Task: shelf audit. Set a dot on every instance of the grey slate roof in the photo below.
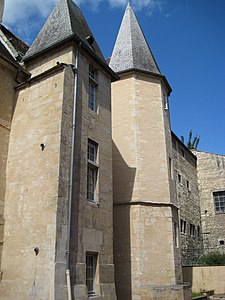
(65, 22)
(131, 50)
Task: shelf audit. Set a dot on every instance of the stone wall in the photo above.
(185, 176)
(211, 178)
(31, 191)
(92, 228)
(146, 241)
(205, 278)
(7, 102)
(38, 181)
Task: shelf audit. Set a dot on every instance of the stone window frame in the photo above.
(92, 88)
(92, 170)
(165, 102)
(183, 226)
(91, 267)
(219, 201)
(192, 230)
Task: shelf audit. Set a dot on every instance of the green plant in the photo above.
(214, 258)
(192, 143)
(196, 294)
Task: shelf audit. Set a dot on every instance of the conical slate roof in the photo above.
(65, 22)
(131, 50)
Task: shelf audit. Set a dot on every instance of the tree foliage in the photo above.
(192, 143)
(214, 258)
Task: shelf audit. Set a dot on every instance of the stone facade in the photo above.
(185, 176)
(37, 183)
(135, 199)
(8, 74)
(211, 180)
(145, 206)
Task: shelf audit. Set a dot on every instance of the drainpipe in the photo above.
(75, 70)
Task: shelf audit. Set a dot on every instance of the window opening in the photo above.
(91, 261)
(219, 201)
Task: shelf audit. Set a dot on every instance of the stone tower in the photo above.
(146, 239)
(58, 200)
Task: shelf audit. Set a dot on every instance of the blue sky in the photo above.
(187, 38)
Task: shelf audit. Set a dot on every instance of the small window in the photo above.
(183, 226)
(198, 231)
(192, 230)
(91, 262)
(92, 151)
(165, 102)
(221, 242)
(219, 201)
(182, 152)
(92, 89)
(92, 73)
(170, 168)
(92, 170)
(175, 234)
(179, 178)
(188, 184)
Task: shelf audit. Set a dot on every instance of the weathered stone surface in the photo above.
(185, 177)
(211, 178)
(145, 212)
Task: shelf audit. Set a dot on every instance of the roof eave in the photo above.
(15, 64)
(73, 36)
(165, 81)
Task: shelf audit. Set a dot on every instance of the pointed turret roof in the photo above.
(64, 23)
(131, 50)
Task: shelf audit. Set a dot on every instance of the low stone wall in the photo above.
(205, 278)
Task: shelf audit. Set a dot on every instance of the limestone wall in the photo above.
(7, 102)
(146, 241)
(206, 278)
(63, 54)
(31, 191)
(185, 176)
(92, 228)
(211, 178)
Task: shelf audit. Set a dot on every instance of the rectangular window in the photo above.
(182, 226)
(219, 201)
(92, 89)
(92, 73)
(170, 168)
(179, 178)
(192, 230)
(175, 233)
(91, 262)
(92, 170)
(165, 102)
(188, 185)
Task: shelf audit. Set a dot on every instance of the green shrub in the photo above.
(214, 258)
(196, 294)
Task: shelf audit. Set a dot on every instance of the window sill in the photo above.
(93, 204)
(95, 297)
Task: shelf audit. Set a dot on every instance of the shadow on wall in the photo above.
(188, 275)
(123, 183)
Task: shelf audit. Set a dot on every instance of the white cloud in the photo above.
(25, 17)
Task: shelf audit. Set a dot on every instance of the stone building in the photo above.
(211, 184)
(11, 74)
(146, 242)
(86, 183)
(185, 177)
(58, 194)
